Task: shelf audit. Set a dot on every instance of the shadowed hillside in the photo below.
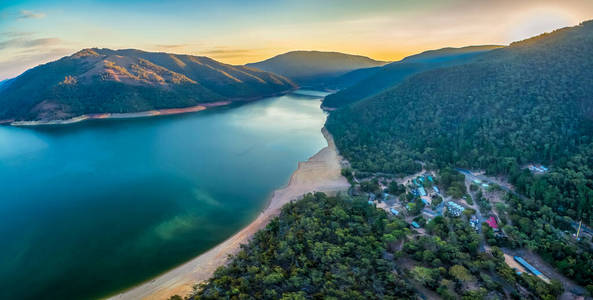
(120, 81)
(314, 68)
(377, 80)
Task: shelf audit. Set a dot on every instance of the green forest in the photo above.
(527, 103)
(318, 248)
(324, 247)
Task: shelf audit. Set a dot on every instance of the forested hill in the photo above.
(5, 83)
(389, 75)
(529, 102)
(119, 81)
(314, 68)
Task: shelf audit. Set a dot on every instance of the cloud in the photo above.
(224, 52)
(171, 46)
(28, 43)
(29, 14)
(21, 61)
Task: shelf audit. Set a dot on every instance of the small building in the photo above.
(477, 181)
(421, 191)
(371, 202)
(416, 225)
(436, 189)
(538, 168)
(424, 201)
(527, 266)
(430, 178)
(455, 209)
(474, 223)
(492, 223)
(485, 185)
(394, 211)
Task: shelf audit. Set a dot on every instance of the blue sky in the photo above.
(36, 31)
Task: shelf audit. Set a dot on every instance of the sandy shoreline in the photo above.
(320, 173)
(141, 114)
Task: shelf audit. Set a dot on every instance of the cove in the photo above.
(90, 209)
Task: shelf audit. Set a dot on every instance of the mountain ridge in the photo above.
(314, 68)
(103, 80)
(384, 77)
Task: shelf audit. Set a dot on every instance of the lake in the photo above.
(90, 209)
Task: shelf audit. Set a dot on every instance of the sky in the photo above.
(236, 32)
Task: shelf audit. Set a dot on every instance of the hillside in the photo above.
(389, 75)
(314, 68)
(351, 78)
(121, 81)
(4, 83)
(529, 102)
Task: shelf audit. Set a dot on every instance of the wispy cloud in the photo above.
(172, 46)
(22, 61)
(29, 14)
(28, 43)
(226, 52)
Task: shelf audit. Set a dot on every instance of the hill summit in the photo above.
(122, 81)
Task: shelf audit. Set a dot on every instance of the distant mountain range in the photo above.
(360, 84)
(314, 68)
(121, 81)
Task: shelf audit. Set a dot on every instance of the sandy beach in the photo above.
(320, 173)
(141, 114)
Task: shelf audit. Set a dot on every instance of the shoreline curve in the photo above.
(320, 173)
(140, 114)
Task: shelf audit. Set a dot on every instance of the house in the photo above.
(474, 223)
(455, 209)
(394, 211)
(416, 225)
(430, 178)
(421, 191)
(436, 189)
(477, 181)
(485, 185)
(371, 202)
(492, 223)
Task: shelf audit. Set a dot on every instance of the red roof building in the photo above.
(492, 223)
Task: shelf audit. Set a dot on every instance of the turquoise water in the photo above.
(89, 209)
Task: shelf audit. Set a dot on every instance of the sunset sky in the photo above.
(35, 31)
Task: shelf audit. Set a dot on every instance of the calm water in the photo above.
(92, 208)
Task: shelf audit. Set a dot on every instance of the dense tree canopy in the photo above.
(319, 247)
(529, 102)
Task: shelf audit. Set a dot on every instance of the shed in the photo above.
(527, 266)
